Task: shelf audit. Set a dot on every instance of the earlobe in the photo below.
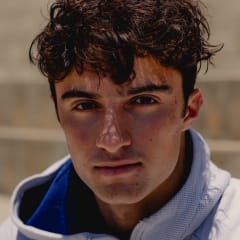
(193, 107)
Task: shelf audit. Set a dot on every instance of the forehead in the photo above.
(148, 72)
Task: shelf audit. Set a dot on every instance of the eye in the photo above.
(86, 105)
(143, 100)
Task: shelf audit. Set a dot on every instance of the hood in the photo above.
(181, 216)
(177, 220)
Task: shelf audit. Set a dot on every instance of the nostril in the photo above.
(112, 136)
(112, 139)
(109, 138)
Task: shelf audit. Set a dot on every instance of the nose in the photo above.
(112, 137)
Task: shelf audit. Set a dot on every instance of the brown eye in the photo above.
(88, 105)
(144, 100)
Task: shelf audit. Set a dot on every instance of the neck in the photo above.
(123, 218)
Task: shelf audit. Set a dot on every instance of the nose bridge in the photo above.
(111, 136)
(111, 130)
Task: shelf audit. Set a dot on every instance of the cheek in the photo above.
(162, 123)
(79, 133)
(158, 135)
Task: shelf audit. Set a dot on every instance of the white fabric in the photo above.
(205, 208)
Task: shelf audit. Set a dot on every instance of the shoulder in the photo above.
(232, 192)
(8, 231)
(226, 223)
(223, 222)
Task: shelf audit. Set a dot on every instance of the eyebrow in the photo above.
(79, 94)
(149, 88)
(75, 93)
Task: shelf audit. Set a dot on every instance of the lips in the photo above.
(117, 167)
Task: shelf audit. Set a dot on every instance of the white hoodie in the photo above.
(206, 207)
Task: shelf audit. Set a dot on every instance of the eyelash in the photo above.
(89, 105)
(152, 100)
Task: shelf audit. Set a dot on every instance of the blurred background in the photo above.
(30, 137)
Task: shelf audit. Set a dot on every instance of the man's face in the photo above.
(125, 141)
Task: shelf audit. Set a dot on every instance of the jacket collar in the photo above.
(185, 212)
(177, 220)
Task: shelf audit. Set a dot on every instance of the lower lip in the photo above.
(111, 171)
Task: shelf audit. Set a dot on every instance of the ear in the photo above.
(194, 104)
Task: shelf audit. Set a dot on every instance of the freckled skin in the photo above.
(111, 132)
(151, 135)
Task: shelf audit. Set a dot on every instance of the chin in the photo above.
(120, 194)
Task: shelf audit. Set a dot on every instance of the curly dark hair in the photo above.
(106, 35)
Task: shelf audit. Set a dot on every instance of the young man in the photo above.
(122, 75)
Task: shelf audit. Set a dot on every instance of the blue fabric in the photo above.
(188, 215)
(50, 215)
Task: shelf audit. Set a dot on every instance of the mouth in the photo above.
(117, 168)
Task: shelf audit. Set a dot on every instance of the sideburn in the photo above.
(53, 95)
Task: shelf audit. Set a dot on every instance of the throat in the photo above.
(121, 219)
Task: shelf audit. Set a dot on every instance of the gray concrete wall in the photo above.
(30, 137)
